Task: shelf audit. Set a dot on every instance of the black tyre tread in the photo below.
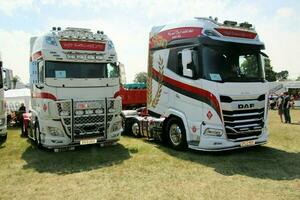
(183, 144)
(37, 140)
(128, 127)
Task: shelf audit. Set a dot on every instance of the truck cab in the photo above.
(206, 86)
(74, 74)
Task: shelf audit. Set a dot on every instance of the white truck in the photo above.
(74, 75)
(206, 87)
(3, 127)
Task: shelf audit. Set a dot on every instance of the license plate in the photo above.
(247, 143)
(85, 142)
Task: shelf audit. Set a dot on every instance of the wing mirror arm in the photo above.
(39, 86)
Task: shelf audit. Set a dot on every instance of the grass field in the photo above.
(139, 169)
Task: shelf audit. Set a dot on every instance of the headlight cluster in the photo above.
(116, 126)
(2, 121)
(213, 132)
(55, 132)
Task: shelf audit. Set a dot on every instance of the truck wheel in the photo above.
(3, 138)
(37, 134)
(176, 135)
(132, 127)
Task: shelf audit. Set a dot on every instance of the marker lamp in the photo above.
(90, 57)
(89, 112)
(64, 113)
(99, 111)
(79, 112)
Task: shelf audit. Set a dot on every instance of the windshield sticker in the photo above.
(215, 77)
(60, 74)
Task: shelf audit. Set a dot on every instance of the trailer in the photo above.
(74, 74)
(206, 87)
(134, 95)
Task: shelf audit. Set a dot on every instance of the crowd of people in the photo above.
(284, 103)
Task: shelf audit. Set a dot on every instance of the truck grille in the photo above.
(243, 123)
(86, 119)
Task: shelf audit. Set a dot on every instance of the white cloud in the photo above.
(128, 24)
(62, 3)
(15, 52)
(8, 7)
(131, 41)
(282, 47)
(285, 12)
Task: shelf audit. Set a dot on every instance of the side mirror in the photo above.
(122, 73)
(187, 59)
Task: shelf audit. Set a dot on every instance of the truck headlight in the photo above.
(2, 121)
(213, 132)
(55, 132)
(116, 126)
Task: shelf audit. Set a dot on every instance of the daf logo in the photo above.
(243, 106)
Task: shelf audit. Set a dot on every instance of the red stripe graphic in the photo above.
(236, 33)
(44, 95)
(174, 34)
(37, 55)
(197, 91)
(77, 45)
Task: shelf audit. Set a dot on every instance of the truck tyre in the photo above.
(175, 134)
(3, 138)
(37, 134)
(132, 127)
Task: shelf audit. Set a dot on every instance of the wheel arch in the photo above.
(171, 113)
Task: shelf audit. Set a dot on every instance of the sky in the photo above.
(128, 22)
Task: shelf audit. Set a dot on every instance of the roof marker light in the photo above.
(230, 23)
(245, 25)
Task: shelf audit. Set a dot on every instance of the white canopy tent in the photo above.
(14, 98)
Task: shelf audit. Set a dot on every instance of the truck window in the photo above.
(175, 62)
(231, 65)
(41, 72)
(80, 70)
(112, 71)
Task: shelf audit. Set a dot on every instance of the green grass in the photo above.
(140, 169)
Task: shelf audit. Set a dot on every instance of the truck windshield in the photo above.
(80, 70)
(232, 64)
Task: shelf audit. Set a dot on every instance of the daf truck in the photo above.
(206, 87)
(74, 74)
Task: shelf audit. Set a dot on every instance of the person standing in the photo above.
(22, 110)
(279, 105)
(286, 107)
